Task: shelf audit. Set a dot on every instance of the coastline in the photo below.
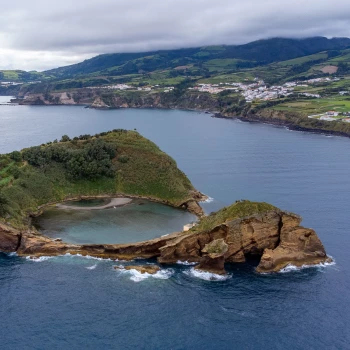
(282, 124)
(201, 103)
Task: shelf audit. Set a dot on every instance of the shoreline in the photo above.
(282, 124)
(258, 118)
(192, 205)
(114, 202)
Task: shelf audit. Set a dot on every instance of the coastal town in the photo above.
(258, 90)
(332, 116)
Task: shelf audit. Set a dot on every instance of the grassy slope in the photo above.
(235, 211)
(141, 169)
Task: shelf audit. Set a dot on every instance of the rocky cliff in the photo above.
(103, 99)
(247, 230)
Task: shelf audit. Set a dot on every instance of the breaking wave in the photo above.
(186, 263)
(208, 200)
(88, 257)
(136, 276)
(206, 276)
(39, 259)
(291, 268)
(93, 267)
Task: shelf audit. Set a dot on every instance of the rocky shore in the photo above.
(94, 98)
(273, 236)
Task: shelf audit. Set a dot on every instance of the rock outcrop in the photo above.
(10, 239)
(150, 269)
(274, 236)
(213, 257)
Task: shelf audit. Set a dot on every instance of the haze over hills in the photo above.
(202, 61)
(259, 52)
(281, 81)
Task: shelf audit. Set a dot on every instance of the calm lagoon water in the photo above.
(138, 221)
(74, 303)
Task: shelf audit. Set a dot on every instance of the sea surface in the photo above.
(79, 303)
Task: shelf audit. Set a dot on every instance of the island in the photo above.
(124, 164)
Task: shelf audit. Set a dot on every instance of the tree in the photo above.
(65, 138)
(16, 156)
(3, 203)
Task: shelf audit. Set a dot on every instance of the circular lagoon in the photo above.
(136, 221)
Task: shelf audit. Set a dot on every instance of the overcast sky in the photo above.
(42, 34)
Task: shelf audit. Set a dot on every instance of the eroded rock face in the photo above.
(275, 236)
(9, 239)
(213, 258)
(298, 246)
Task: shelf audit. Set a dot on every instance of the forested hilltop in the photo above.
(113, 163)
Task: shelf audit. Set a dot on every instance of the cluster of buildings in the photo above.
(259, 91)
(321, 80)
(331, 116)
(130, 87)
(9, 83)
(13, 83)
(255, 91)
(112, 87)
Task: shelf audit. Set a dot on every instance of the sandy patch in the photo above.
(115, 202)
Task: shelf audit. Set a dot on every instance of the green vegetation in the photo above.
(316, 106)
(110, 163)
(238, 210)
(20, 75)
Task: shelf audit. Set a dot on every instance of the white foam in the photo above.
(186, 263)
(291, 268)
(93, 267)
(11, 254)
(88, 257)
(207, 276)
(39, 259)
(137, 276)
(208, 200)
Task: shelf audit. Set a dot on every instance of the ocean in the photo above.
(79, 303)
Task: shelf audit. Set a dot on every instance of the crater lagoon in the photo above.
(74, 302)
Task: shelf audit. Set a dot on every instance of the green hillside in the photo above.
(117, 162)
(208, 58)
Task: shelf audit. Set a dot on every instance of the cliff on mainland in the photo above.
(220, 105)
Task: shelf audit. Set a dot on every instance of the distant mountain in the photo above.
(256, 53)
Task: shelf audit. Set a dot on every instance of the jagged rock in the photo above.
(150, 269)
(99, 103)
(298, 246)
(193, 207)
(274, 236)
(213, 259)
(9, 239)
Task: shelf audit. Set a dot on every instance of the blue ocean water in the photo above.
(77, 303)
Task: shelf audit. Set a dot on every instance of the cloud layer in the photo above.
(43, 34)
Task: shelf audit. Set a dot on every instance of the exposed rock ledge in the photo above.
(275, 236)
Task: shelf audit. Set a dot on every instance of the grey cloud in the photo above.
(67, 28)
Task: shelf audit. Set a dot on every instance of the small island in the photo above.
(123, 164)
